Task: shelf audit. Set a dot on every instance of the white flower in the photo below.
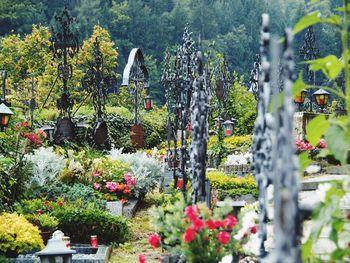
(239, 159)
(248, 220)
(226, 259)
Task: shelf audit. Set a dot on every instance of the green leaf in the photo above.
(298, 85)
(304, 161)
(306, 21)
(338, 142)
(338, 254)
(342, 8)
(316, 128)
(306, 250)
(335, 20)
(331, 66)
(334, 236)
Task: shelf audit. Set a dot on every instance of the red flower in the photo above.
(211, 224)
(59, 202)
(142, 258)
(126, 190)
(31, 136)
(223, 237)
(123, 201)
(206, 238)
(39, 211)
(154, 240)
(253, 230)
(190, 212)
(348, 216)
(219, 223)
(198, 224)
(120, 187)
(189, 235)
(245, 234)
(230, 221)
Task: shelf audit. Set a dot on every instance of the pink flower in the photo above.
(111, 186)
(42, 133)
(189, 235)
(133, 181)
(142, 258)
(190, 212)
(96, 173)
(198, 224)
(130, 180)
(154, 240)
(230, 221)
(127, 176)
(303, 145)
(322, 144)
(223, 237)
(97, 186)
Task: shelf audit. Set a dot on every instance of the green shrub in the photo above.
(70, 193)
(232, 186)
(13, 177)
(44, 222)
(80, 219)
(79, 224)
(233, 143)
(17, 235)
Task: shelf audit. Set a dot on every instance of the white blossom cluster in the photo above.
(239, 159)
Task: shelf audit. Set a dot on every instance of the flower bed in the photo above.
(232, 186)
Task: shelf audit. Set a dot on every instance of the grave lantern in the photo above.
(300, 97)
(148, 103)
(56, 251)
(5, 115)
(321, 97)
(218, 122)
(228, 126)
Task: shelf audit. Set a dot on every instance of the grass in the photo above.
(141, 228)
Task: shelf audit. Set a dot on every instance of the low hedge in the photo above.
(232, 186)
(80, 224)
(233, 143)
(79, 220)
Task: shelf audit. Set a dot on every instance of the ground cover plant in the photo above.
(231, 185)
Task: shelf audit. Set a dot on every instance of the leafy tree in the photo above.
(242, 106)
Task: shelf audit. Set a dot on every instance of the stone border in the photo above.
(101, 256)
(240, 169)
(128, 210)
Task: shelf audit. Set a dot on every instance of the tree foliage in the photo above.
(153, 25)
